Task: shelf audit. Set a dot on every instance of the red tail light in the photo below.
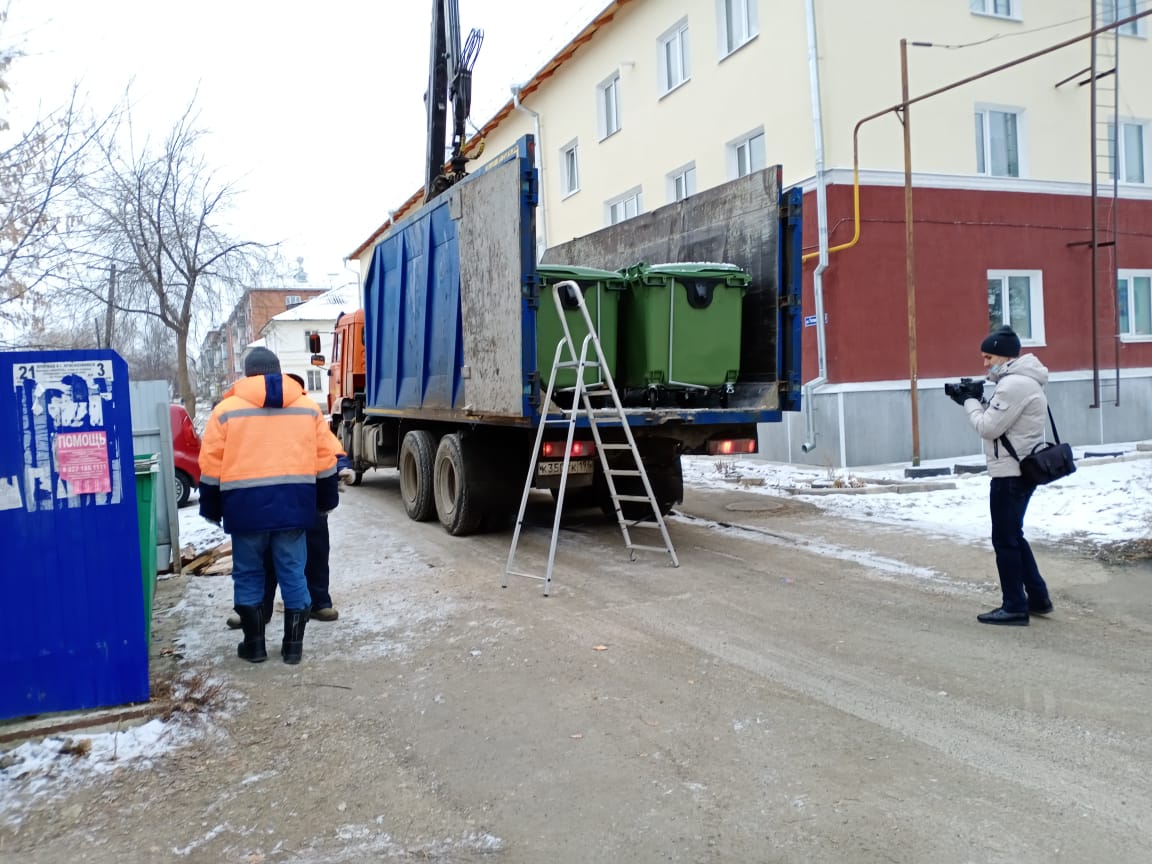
(731, 446)
(555, 449)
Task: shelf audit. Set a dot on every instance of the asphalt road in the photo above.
(800, 689)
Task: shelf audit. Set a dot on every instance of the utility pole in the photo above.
(909, 252)
(110, 312)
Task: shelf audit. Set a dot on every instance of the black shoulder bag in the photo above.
(1046, 462)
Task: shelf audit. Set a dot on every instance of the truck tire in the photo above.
(457, 504)
(417, 457)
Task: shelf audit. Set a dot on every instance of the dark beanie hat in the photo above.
(1002, 343)
(261, 361)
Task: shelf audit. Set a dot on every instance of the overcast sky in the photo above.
(316, 110)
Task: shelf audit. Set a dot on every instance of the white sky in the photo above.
(315, 110)
(1105, 500)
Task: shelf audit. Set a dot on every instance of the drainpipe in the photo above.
(542, 238)
(822, 230)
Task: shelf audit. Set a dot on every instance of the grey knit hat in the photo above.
(261, 361)
(1001, 343)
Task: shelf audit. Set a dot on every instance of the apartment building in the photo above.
(1031, 189)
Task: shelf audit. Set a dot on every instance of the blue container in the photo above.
(72, 637)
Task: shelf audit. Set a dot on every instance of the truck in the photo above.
(442, 372)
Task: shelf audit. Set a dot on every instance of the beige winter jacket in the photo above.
(1018, 408)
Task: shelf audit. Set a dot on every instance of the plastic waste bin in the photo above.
(147, 473)
(602, 290)
(680, 324)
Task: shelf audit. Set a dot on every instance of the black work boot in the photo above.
(294, 621)
(252, 648)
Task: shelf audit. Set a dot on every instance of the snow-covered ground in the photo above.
(1106, 501)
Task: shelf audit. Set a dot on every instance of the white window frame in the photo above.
(745, 149)
(1120, 157)
(315, 381)
(1111, 11)
(982, 113)
(616, 209)
(1035, 304)
(988, 8)
(737, 24)
(291, 300)
(608, 105)
(675, 37)
(1128, 276)
(682, 180)
(570, 168)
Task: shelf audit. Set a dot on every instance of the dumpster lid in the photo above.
(558, 272)
(699, 269)
(147, 463)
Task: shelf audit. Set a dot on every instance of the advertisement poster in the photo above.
(70, 454)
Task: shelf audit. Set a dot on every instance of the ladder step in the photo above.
(644, 548)
(625, 472)
(526, 575)
(615, 447)
(643, 498)
(572, 364)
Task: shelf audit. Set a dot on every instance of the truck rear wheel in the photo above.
(417, 456)
(457, 503)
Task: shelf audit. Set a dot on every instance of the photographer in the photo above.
(1018, 410)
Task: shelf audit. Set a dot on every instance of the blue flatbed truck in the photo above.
(452, 379)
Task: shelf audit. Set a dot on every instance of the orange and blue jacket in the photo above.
(267, 458)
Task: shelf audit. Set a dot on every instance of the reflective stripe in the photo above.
(266, 412)
(301, 479)
(209, 481)
(326, 473)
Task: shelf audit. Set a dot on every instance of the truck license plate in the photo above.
(553, 467)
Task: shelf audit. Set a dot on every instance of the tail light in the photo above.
(555, 449)
(731, 446)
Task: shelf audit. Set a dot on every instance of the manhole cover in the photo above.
(754, 506)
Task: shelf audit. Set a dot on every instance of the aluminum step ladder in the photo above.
(582, 407)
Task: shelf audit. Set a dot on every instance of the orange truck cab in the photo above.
(346, 374)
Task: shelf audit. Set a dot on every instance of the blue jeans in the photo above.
(1020, 579)
(288, 550)
(315, 568)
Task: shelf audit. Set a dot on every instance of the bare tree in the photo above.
(157, 215)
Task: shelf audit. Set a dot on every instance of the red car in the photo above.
(186, 450)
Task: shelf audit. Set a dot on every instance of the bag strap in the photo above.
(1012, 450)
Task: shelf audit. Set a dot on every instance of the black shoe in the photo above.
(999, 616)
(1040, 608)
(253, 648)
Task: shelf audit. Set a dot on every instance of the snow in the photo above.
(1107, 500)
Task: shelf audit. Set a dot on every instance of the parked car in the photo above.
(186, 452)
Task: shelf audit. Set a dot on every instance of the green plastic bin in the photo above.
(147, 473)
(680, 324)
(602, 290)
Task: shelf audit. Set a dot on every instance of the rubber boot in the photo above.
(294, 622)
(252, 648)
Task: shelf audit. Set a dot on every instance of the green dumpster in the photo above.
(602, 290)
(147, 472)
(681, 324)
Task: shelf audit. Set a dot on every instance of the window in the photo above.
(314, 379)
(998, 142)
(1112, 11)
(569, 159)
(1130, 157)
(746, 154)
(999, 8)
(308, 334)
(292, 300)
(1016, 298)
(609, 106)
(625, 206)
(673, 59)
(736, 24)
(1134, 301)
(682, 182)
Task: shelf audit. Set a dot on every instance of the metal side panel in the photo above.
(491, 229)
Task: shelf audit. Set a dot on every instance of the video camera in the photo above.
(965, 388)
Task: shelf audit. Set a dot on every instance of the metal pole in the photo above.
(110, 313)
(1093, 75)
(910, 253)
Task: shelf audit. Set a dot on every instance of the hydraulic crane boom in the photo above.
(449, 81)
